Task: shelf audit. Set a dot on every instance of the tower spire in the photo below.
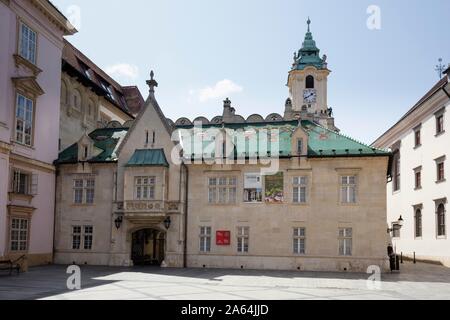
(309, 23)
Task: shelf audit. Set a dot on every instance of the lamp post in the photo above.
(399, 223)
(167, 222)
(118, 222)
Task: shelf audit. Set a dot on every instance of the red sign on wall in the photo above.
(223, 238)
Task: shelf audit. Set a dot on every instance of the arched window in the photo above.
(418, 223)
(76, 96)
(63, 93)
(441, 220)
(309, 82)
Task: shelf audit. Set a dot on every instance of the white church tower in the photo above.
(307, 84)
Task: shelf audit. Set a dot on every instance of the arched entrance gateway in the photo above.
(148, 247)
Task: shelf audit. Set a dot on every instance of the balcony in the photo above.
(151, 211)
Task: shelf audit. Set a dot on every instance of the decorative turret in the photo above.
(309, 54)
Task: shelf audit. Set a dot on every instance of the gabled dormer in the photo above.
(87, 149)
(299, 142)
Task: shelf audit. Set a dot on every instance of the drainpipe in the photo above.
(186, 192)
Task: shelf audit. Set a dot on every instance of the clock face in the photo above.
(310, 96)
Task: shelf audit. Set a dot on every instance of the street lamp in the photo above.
(167, 222)
(118, 222)
(399, 223)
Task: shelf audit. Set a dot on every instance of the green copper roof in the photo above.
(322, 142)
(308, 55)
(148, 157)
(106, 141)
(327, 143)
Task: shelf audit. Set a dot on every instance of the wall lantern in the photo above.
(167, 222)
(399, 223)
(118, 222)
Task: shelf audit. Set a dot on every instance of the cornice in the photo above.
(412, 120)
(39, 165)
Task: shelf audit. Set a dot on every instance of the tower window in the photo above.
(309, 82)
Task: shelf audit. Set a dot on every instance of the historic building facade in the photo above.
(31, 35)
(419, 190)
(279, 192)
(91, 99)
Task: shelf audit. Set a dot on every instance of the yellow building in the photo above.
(258, 193)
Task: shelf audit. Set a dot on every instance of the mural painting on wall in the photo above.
(274, 188)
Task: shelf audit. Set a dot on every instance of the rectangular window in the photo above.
(252, 187)
(24, 120)
(19, 234)
(348, 189)
(417, 138)
(78, 191)
(418, 179)
(27, 43)
(243, 235)
(144, 188)
(84, 191)
(439, 124)
(76, 237)
(24, 182)
(299, 146)
(222, 190)
(90, 191)
(205, 239)
(345, 241)
(299, 240)
(396, 175)
(300, 185)
(88, 237)
(440, 171)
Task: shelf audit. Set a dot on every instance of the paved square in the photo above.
(420, 281)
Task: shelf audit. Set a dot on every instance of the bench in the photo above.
(10, 265)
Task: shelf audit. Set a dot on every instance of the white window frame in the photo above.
(299, 241)
(347, 186)
(300, 190)
(144, 188)
(76, 237)
(22, 244)
(243, 239)
(27, 47)
(205, 239)
(84, 191)
(88, 237)
(345, 237)
(222, 190)
(30, 185)
(23, 134)
(82, 237)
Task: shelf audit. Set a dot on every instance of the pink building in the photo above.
(31, 43)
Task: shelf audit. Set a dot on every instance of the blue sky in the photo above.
(205, 50)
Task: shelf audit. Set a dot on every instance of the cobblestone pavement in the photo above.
(420, 281)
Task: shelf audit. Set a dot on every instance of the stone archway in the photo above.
(148, 246)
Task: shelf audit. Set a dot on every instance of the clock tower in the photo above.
(308, 85)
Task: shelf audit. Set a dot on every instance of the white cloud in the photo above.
(123, 70)
(220, 90)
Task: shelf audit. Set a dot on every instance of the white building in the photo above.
(419, 191)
